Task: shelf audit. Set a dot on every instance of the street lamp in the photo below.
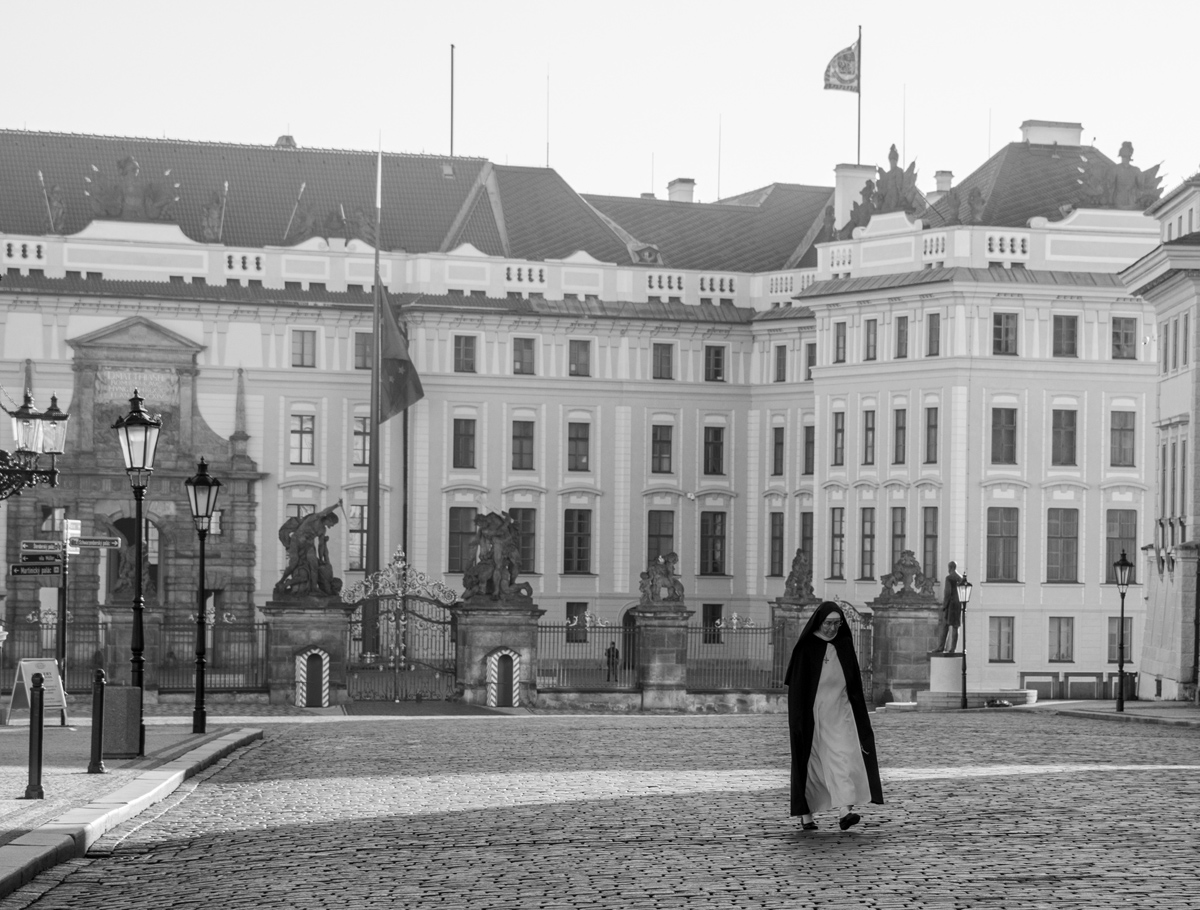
(37, 433)
(138, 433)
(1123, 567)
(202, 493)
(964, 597)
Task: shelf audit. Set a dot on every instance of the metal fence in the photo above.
(87, 644)
(236, 657)
(417, 656)
(580, 656)
(731, 657)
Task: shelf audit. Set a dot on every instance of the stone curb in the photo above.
(71, 834)
(1126, 718)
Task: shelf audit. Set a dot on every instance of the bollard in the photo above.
(96, 765)
(37, 708)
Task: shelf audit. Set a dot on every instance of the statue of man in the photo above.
(951, 618)
(304, 557)
(1125, 181)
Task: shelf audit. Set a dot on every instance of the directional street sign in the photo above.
(41, 557)
(41, 546)
(96, 543)
(71, 528)
(36, 570)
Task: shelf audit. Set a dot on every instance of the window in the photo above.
(1121, 537)
(464, 443)
(1062, 545)
(577, 542)
(1124, 338)
(1184, 342)
(53, 518)
(837, 542)
(777, 451)
(839, 342)
(303, 435)
(776, 567)
(839, 437)
(1001, 544)
(1004, 333)
(806, 535)
(660, 534)
(714, 363)
(522, 445)
(1115, 641)
(1000, 639)
(580, 357)
(1062, 436)
(362, 441)
(578, 443)
(901, 337)
(523, 356)
(899, 532)
(929, 553)
(660, 449)
(712, 543)
(1066, 336)
(525, 523)
(304, 347)
(464, 353)
(866, 560)
(781, 363)
(362, 350)
(810, 360)
(214, 523)
(357, 539)
(711, 619)
(931, 435)
(810, 449)
(900, 419)
(1004, 435)
(299, 509)
(868, 456)
(871, 339)
(714, 450)
(664, 366)
(577, 630)
(1062, 638)
(933, 335)
(1175, 345)
(1164, 331)
(462, 530)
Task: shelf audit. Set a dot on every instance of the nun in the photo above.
(833, 749)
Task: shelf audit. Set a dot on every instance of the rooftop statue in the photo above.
(1120, 186)
(130, 196)
(896, 189)
(306, 540)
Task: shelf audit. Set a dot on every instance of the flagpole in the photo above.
(858, 150)
(370, 614)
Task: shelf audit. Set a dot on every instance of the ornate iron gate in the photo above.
(416, 658)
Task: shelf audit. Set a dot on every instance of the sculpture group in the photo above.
(306, 540)
(495, 559)
(659, 583)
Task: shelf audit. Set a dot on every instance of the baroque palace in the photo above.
(995, 372)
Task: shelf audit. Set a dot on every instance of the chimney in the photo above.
(649, 196)
(680, 189)
(848, 184)
(943, 180)
(1050, 132)
(285, 142)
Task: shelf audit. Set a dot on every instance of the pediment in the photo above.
(136, 340)
(581, 257)
(469, 249)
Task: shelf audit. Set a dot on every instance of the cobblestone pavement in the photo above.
(991, 809)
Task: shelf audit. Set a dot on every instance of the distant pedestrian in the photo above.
(613, 658)
(833, 747)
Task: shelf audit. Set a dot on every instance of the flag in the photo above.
(399, 384)
(842, 72)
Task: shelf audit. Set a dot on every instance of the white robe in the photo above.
(837, 775)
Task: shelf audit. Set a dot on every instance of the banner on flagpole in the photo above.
(842, 72)
(399, 384)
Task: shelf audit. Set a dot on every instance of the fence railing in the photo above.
(581, 656)
(86, 648)
(235, 658)
(724, 657)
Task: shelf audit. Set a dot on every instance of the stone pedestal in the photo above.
(945, 673)
(493, 634)
(298, 624)
(662, 655)
(788, 616)
(905, 633)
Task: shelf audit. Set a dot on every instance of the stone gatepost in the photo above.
(493, 634)
(296, 623)
(790, 612)
(661, 618)
(906, 615)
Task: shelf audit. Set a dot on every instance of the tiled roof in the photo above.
(1023, 181)
(781, 313)
(754, 232)
(943, 276)
(480, 229)
(590, 308)
(1192, 239)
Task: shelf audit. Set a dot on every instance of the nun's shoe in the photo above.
(810, 826)
(849, 820)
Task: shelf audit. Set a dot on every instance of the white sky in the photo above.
(634, 84)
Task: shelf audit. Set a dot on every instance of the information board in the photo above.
(55, 697)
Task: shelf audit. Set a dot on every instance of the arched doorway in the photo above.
(313, 694)
(504, 681)
(628, 641)
(121, 561)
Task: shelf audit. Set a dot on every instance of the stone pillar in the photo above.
(662, 654)
(297, 623)
(486, 626)
(788, 616)
(905, 633)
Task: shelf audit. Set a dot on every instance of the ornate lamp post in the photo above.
(1123, 567)
(37, 433)
(138, 433)
(964, 597)
(202, 493)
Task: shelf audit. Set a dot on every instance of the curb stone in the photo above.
(71, 834)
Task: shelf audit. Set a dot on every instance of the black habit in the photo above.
(803, 675)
